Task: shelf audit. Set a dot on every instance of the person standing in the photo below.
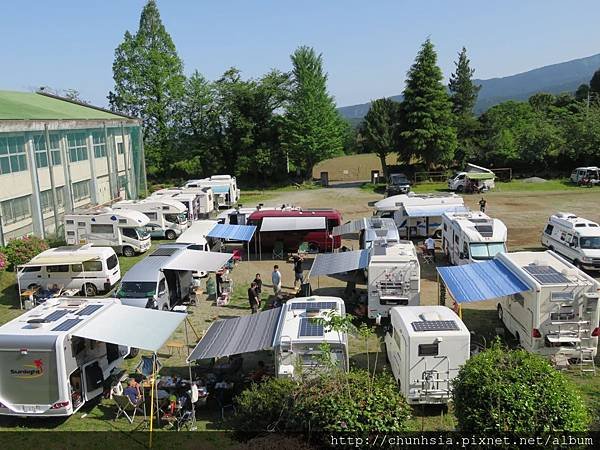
(253, 298)
(482, 204)
(430, 246)
(276, 280)
(258, 282)
(297, 260)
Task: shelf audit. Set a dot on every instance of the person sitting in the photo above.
(132, 391)
(259, 374)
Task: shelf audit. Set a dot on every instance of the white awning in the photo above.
(196, 234)
(292, 223)
(433, 210)
(199, 261)
(147, 329)
(56, 260)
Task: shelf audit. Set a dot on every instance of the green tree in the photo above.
(542, 101)
(595, 84)
(582, 92)
(313, 129)
(149, 83)
(379, 129)
(428, 130)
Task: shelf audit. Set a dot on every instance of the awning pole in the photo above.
(438, 288)
(259, 247)
(187, 344)
(152, 398)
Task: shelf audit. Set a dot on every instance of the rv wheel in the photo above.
(460, 188)
(89, 290)
(170, 235)
(500, 313)
(128, 251)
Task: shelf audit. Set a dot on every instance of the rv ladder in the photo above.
(586, 360)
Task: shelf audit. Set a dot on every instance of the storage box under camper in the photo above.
(426, 347)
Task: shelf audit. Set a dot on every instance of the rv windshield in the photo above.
(130, 289)
(176, 218)
(142, 233)
(486, 250)
(590, 243)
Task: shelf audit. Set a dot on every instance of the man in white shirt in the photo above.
(430, 246)
(276, 280)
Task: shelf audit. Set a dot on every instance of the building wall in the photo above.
(87, 158)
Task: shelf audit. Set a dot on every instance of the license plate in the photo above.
(29, 408)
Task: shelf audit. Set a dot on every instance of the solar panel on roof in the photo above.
(485, 230)
(52, 317)
(67, 325)
(546, 274)
(89, 310)
(310, 327)
(314, 305)
(478, 220)
(435, 325)
(168, 251)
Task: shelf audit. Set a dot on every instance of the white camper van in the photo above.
(480, 176)
(204, 199)
(419, 215)
(575, 238)
(224, 188)
(580, 174)
(472, 236)
(167, 216)
(123, 230)
(84, 267)
(196, 235)
(559, 313)
(393, 277)
(426, 347)
(62, 354)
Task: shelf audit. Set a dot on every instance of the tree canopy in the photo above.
(380, 129)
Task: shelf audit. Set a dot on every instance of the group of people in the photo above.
(255, 289)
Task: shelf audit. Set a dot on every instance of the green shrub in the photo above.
(20, 251)
(516, 391)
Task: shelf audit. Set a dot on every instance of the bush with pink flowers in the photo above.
(3, 262)
(21, 250)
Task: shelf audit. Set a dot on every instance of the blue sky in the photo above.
(367, 45)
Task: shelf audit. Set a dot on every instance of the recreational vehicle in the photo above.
(89, 269)
(167, 216)
(419, 215)
(165, 277)
(393, 277)
(426, 347)
(196, 235)
(123, 230)
(204, 198)
(293, 333)
(473, 178)
(559, 311)
(62, 354)
(575, 238)
(369, 230)
(472, 236)
(224, 188)
(586, 174)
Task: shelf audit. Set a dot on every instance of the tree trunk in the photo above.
(384, 169)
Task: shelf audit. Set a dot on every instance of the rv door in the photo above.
(93, 380)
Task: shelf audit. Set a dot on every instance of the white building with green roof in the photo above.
(57, 155)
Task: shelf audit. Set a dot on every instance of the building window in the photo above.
(81, 190)
(122, 182)
(46, 199)
(41, 156)
(120, 148)
(77, 147)
(16, 209)
(12, 154)
(99, 144)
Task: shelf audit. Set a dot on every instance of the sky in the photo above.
(367, 46)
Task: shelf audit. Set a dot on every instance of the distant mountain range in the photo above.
(556, 78)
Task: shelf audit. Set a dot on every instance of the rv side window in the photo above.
(101, 229)
(92, 266)
(456, 239)
(445, 227)
(130, 233)
(428, 349)
(563, 236)
(549, 229)
(112, 262)
(70, 233)
(162, 286)
(76, 268)
(61, 268)
(32, 269)
(151, 215)
(575, 241)
(70, 222)
(81, 224)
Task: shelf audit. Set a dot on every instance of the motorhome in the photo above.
(165, 278)
(196, 236)
(558, 313)
(293, 333)
(224, 187)
(473, 178)
(393, 277)
(123, 230)
(426, 347)
(293, 226)
(89, 269)
(575, 238)
(585, 174)
(369, 230)
(204, 198)
(62, 354)
(472, 236)
(167, 216)
(419, 215)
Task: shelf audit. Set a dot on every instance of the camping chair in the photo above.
(126, 407)
(278, 250)
(145, 366)
(224, 397)
(427, 258)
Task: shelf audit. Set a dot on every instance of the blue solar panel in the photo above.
(310, 327)
(435, 325)
(67, 325)
(89, 310)
(314, 305)
(56, 315)
(546, 274)
(233, 232)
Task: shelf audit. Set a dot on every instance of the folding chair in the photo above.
(145, 366)
(225, 400)
(278, 250)
(126, 407)
(427, 258)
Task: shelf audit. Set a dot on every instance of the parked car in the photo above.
(398, 183)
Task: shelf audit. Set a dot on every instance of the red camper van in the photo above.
(293, 226)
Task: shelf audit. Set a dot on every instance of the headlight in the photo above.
(586, 259)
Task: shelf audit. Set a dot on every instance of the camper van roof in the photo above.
(434, 320)
(587, 168)
(578, 224)
(474, 168)
(396, 201)
(147, 268)
(401, 251)
(196, 233)
(478, 226)
(69, 255)
(151, 202)
(296, 320)
(129, 214)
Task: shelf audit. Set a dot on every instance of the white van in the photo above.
(575, 238)
(479, 176)
(91, 270)
(167, 216)
(585, 173)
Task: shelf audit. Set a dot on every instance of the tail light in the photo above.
(596, 332)
(536, 333)
(59, 405)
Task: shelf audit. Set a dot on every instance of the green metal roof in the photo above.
(33, 106)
